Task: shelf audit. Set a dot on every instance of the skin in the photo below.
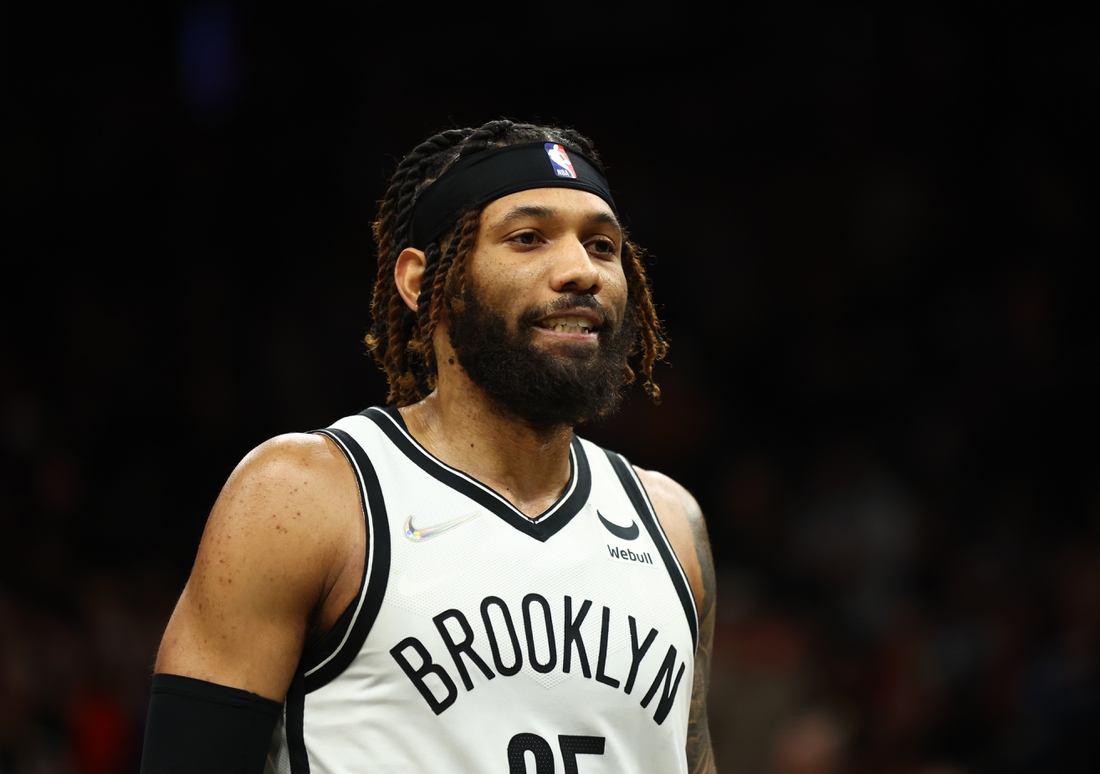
(284, 546)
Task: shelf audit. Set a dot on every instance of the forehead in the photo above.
(557, 203)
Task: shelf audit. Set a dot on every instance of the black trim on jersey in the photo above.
(295, 726)
(339, 645)
(548, 524)
(640, 499)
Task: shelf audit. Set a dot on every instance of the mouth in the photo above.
(579, 320)
(570, 324)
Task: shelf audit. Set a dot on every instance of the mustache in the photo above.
(570, 301)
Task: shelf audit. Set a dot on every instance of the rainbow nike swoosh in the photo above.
(417, 535)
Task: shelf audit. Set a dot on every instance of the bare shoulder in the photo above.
(682, 520)
(289, 496)
(671, 494)
(288, 470)
(277, 542)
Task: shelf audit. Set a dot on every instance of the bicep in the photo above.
(235, 638)
(263, 565)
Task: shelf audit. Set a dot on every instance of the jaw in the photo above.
(544, 376)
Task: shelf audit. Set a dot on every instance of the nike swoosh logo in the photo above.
(427, 533)
(623, 533)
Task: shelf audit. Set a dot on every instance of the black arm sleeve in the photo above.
(195, 726)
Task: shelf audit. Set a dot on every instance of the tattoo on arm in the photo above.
(700, 755)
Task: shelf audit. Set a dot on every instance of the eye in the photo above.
(603, 246)
(525, 238)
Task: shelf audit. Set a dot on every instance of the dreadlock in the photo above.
(401, 339)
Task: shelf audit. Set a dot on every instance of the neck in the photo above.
(527, 466)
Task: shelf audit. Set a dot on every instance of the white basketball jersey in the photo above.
(486, 641)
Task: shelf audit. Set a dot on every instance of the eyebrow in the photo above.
(542, 211)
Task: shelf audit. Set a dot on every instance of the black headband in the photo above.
(483, 177)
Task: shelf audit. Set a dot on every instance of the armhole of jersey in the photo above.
(635, 490)
(294, 727)
(326, 658)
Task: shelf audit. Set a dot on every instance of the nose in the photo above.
(575, 271)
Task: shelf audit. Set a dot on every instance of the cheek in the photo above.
(511, 289)
(615, 288)
(501, 277)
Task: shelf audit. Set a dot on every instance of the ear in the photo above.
(408, 274)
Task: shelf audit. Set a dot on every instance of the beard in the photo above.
(544, 389)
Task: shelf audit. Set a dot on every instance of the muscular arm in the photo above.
(682, 520)
(277, 555)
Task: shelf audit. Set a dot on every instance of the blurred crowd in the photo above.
(879, 388)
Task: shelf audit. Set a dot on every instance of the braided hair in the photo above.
(401, 339)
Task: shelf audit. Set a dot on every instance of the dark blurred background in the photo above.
(867, 232)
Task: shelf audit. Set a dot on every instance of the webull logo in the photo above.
(630, 557)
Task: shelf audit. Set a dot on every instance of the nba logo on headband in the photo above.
(479, 178)
(563, 167)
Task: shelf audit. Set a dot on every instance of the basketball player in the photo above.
(457, 582)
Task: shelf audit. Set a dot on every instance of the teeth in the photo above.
(568, 325)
